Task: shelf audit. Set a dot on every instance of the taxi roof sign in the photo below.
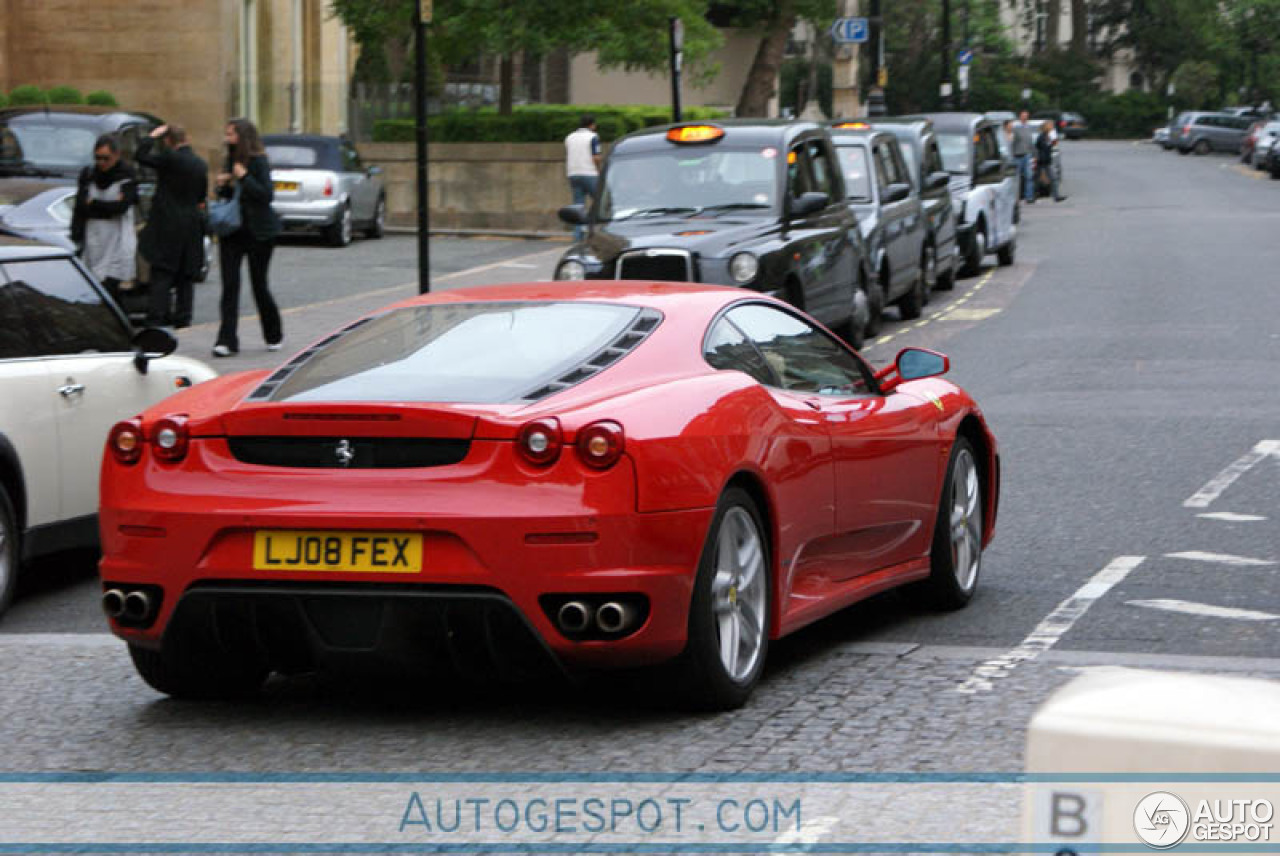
(851, 126)
(695, 134)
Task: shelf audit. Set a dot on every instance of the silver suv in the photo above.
(1205, 132)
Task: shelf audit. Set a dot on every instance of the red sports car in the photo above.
(612, 474)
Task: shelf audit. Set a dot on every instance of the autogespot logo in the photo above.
(1161, 820)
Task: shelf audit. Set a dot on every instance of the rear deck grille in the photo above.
(358, 453)
(658, 264)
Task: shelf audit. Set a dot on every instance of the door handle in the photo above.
(69, 389)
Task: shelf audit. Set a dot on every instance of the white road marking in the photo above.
(519, 265)
(1187, 607)
(810, 831)
(1052, 628)
(1223, 480)
(1220, 559)
(1231, 517)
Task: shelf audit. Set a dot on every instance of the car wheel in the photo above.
(947, 281)
(338, 233)
(875, 303)
(190, 674)
(8, 550)
(956, 555)
(854, 331)
(1006, 253)
(977, 251)
(377, 227)
(1183, 151)
(729, 612)
(912, 303)
(1201, 147)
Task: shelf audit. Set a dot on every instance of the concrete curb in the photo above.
(484, 233)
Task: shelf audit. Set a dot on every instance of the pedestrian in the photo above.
(582, 165)
(1023, 147)
(102, 220)
(172, 242)
(1044, 158)
(248, 173)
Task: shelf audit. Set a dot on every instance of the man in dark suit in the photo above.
(172, 242)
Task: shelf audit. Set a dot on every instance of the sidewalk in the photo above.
(309, 322)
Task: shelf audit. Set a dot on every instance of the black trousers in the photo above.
(164, 284)
(231, 251)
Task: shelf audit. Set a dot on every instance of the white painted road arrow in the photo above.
(1223, 480)
(1220, 559)
(1187, 607)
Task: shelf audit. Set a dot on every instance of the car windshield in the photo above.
(689, 181)
(470, 353)
(857, 177)
(955, 152)
(46, 145)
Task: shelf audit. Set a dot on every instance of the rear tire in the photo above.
(911, 304)
(1006, 253)
(875, 305)
(185, 674)
(956, 556)
(977, 251)
(729, 612)
(9, 553)
(377, 226)
(853, 333)
(1201, 147)
(338, 233)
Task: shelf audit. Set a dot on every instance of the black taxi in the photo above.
(748, 203)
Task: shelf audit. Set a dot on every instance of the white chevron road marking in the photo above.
(1220, 559)
(1207, 610)
(1213, 488)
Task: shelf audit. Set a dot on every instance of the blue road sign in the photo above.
(965, 57)
(848, 31)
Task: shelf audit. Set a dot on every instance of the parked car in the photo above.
(891, 219)
(1205, 132)
(70, 367)
(1070, 125)
(932, 182)
(1160, 136)
(322, 184)
(603, 475)
(1264, 142)
(984, 186)
(1272, 162)
(57, 142)
(742, 202)
(40, 210)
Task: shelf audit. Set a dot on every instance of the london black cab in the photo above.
(890, 216)
(747, 203)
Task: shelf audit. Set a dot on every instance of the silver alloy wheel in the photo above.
(380, 216)
(738, 593)
(6, 564)
(930, 269)
(346, 224)
(966, 521)
(980, 242)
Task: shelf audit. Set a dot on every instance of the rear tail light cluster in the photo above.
(169, 439)
(599, 445)
(328, 187)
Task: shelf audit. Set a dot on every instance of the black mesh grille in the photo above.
(665, 266)
(358, 452)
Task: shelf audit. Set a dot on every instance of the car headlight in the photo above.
(571, 269)
(743, 267)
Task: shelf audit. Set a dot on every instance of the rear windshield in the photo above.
(857, 176)
(47, 143)
(955, 152)
(301, 156)
(467, 353)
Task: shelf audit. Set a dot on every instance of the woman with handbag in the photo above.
(245, 184)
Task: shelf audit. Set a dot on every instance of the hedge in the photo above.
(65, 95)
(26, 95)
(101, 98)
(540, 123)
(1130, 115)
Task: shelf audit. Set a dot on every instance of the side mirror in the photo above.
(151, 343)
(896, 193)
(809, 203)
(912, 364)
(938, 180)
(574, 215)
(989, 167)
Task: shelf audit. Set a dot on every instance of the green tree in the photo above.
(1196, 83)
(773, 21)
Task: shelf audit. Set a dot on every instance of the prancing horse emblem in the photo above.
(345, 453)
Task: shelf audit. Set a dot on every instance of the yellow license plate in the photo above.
(287, 186)
(358, 552)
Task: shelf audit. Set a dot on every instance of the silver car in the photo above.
(1205, 132)
(1264, 143)
(321, 184)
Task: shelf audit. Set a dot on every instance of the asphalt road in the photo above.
(1126, 363)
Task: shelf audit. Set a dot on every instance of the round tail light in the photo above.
(600, 444)
(170, 438)
(539, 442)
(125, 441)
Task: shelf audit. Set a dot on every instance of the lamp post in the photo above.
(421, 17)
(944, 85)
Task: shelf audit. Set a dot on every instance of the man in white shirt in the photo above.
(582, 164)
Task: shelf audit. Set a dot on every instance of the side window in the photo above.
(727, 349)
(899, 166)
(797, 172)
(351, 159)
(14, 341)
(987, 147)
(804, 358)
(821, 169)
(62, 311)
(883, 177)
(932, 158)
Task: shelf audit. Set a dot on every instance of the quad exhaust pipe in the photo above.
(615, 617)
(136, 605)
(113, 603)
(574, 617)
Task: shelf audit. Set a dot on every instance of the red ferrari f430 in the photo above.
(598, 475)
